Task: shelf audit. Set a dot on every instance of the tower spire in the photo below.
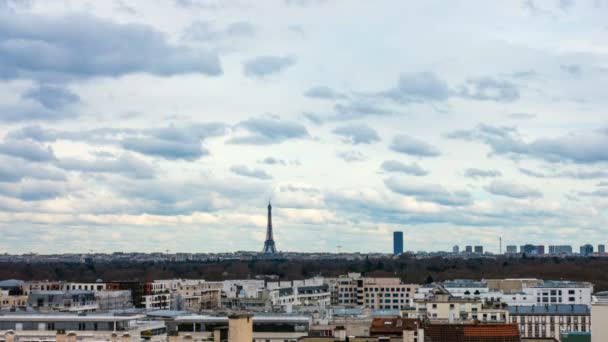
(269, 245)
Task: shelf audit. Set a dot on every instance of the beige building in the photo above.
(440, 305)
(10, 302)
(196, 295)
(550, 320)
(375, 293)
(599, 317)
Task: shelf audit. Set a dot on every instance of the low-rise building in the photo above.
(85, 328)
(60, 300)
(375, 293)
(550, 320)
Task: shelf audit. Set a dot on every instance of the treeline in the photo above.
(594, 270)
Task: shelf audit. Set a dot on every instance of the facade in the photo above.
(561, 292)
(550, 320)
(468, 249)
(560, 250)
(266, 328)
(85, 328)
(113, 300)
(601, 249)
(511, 249)
(455, 249)
(585, 250)
(375, 293)
(599, 317)
(8, 302)
(397, 243)
(249, 288)
(196, 295)
(479, 250)
(59, 300)
(540, 250)
(441, 306)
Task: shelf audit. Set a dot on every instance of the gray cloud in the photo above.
(351, 156)
(571, 69)
(479, 173)
(14, 170)
(410, 169)
(358, 109)
(33, 190)
(522, 116)
(322, 92)
(269, 131)
(52, 97)
(578, 148)
(125, 164)
(267, 65)
(574, 174)
(489, 89)
(243, 170)
(428, 192)
(278, 161)
(357, 134)
(205, 31)
(418, 87)
(175, 142)
(513, 190)
(408, 145)
(81, 45)
(27, 149)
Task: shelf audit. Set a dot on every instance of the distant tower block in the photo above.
(269, 246)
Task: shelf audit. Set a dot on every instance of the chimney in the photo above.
(9, 336)
(340, 334)
(113, 337)
(61, 336)
(126, 337)
(240, 328)
(71, 336)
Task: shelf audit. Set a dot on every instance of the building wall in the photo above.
(551, 325)
(599, 322)
(375, 293)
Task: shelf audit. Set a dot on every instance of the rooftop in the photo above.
(561, 309)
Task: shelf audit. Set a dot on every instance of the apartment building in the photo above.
(196, 295)
(375, 293)
(441, 306)
(61, 300)
(550, 320)
(561, 292)
(81, 328)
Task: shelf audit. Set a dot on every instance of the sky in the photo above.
(169, 125)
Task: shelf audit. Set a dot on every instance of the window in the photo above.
(50, 326)
(434, 306)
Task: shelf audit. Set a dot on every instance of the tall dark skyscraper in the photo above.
(269, 246)
(397, 243)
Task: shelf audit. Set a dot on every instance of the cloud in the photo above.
(263, 131)
(27, 149)
(571, 69)
(278, 161)
(522, 116)
(408, 145)
(84, 46)
(357, 134)
(175, 142)
(52, 97)
(410, 169)
(243, 170)
(325, 93)
(205, 31)
(14, 170)
(351, 156)
(428, 192)
(418, 88)
(489, 89)
(304, 3)
(479, 173)
(358, 109)
(125, 164)
(584, 147)
(33, 190)
(574, 174)
(263, 66)
(513, 190)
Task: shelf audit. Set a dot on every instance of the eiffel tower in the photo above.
(269, 247)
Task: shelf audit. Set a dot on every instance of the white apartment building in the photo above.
(551, 320)
(247, 288)
(561, 292)
(375, 293)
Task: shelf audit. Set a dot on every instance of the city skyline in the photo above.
(131, 126)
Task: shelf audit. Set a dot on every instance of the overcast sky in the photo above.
(167, 125)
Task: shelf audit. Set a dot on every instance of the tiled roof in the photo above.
(472, 333)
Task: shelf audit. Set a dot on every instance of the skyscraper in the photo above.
(455, 249)
(479, 250)
(601, 248)
(269, 246)
(468, 249)
(397, 243)
(586, 250)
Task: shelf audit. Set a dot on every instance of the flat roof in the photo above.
(68, 318)
(553, 309)
(256, 319)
